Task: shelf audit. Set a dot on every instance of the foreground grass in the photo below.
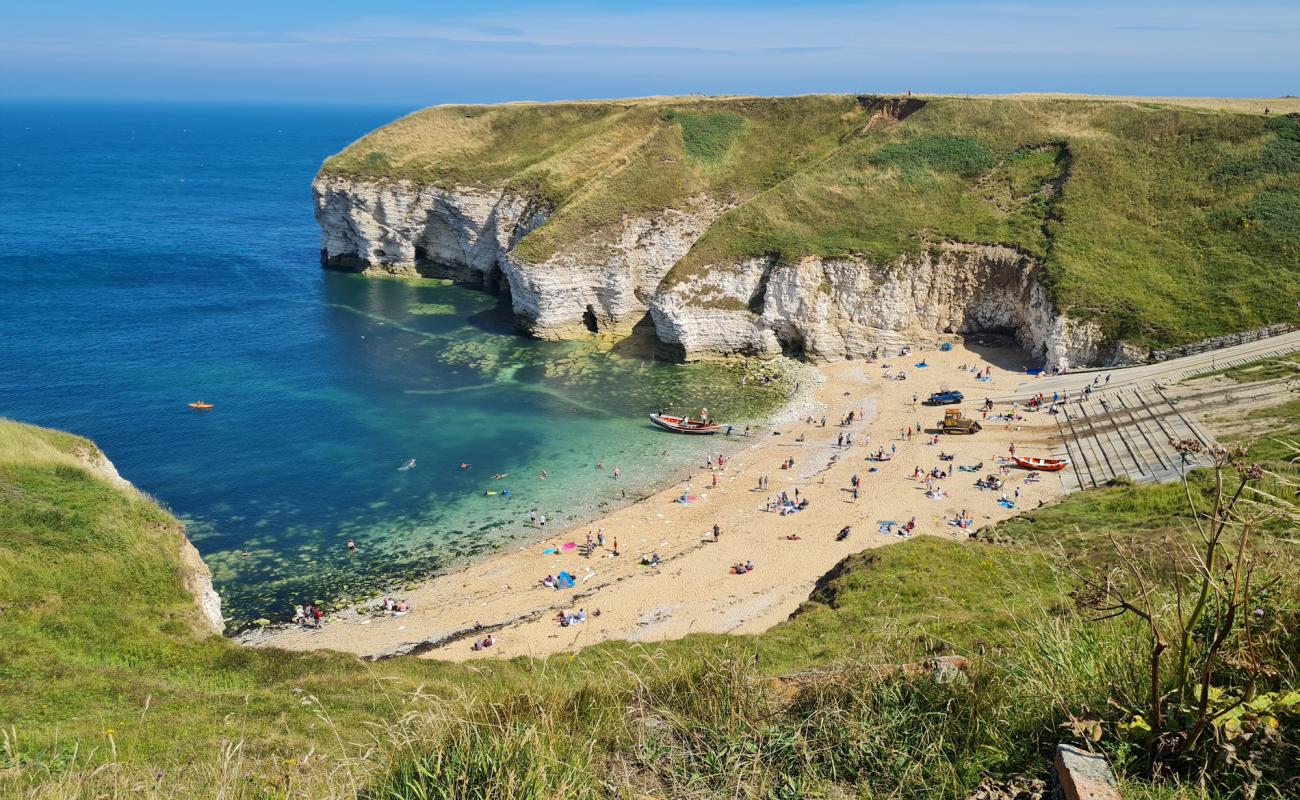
(1165, 223)
(108, 689)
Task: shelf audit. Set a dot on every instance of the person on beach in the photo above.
(600, 537)
(618, 473)
(532, 517)
(352, 546)
(717, 532)
(541, 520)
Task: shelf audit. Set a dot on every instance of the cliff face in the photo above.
(825, 309)
(833, 309)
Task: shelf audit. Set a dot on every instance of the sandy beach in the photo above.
(693, 589)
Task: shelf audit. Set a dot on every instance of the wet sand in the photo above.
(692, 590)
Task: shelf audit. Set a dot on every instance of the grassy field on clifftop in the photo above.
(108, 689)
(1165, 223)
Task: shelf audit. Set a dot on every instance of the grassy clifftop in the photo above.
(110, 689)
(1167, 223)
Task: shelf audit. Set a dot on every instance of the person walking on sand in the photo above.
(717, 532)
(1012, 448)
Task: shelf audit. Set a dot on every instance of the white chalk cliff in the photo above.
(826, 309)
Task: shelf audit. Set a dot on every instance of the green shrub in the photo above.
(707, 137)
(955, 154)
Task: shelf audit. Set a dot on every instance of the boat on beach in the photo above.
(1041, 464)
(683, 424)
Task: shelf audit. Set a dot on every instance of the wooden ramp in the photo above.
(1128, 432)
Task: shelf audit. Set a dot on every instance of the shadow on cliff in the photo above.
(1001, 351)
(498, 319)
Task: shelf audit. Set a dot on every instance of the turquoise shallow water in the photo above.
(157, 255)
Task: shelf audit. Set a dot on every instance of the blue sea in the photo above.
(156, 255)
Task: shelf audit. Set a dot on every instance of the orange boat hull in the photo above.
(1041, 464)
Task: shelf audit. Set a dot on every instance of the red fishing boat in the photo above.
(1041, 464)
(683, 424)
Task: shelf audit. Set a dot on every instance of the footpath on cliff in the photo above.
(693, 588)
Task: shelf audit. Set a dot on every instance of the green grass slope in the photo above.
(1166, 224)
(108, 688)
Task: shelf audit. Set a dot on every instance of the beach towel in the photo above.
(569, 545)
(921, 365)
(983, 380)
(885, 525)
(967, 469)
(550, 551)
(564, 581)
(1006, 504)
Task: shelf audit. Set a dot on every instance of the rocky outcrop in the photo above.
(604, 283)
(404, 228)
(830, 309)
(614, 279)
(195, 575)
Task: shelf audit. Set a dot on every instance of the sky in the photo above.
(420, 53)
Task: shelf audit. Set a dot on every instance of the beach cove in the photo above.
(193, 273)
(693, 589)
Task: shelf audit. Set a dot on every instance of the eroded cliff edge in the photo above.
(617, 279)
(194, 575)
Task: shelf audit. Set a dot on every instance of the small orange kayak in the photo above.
(1043, 464)
(201, 405)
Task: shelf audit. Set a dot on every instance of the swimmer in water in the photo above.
(463, 465)
(500, 476)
